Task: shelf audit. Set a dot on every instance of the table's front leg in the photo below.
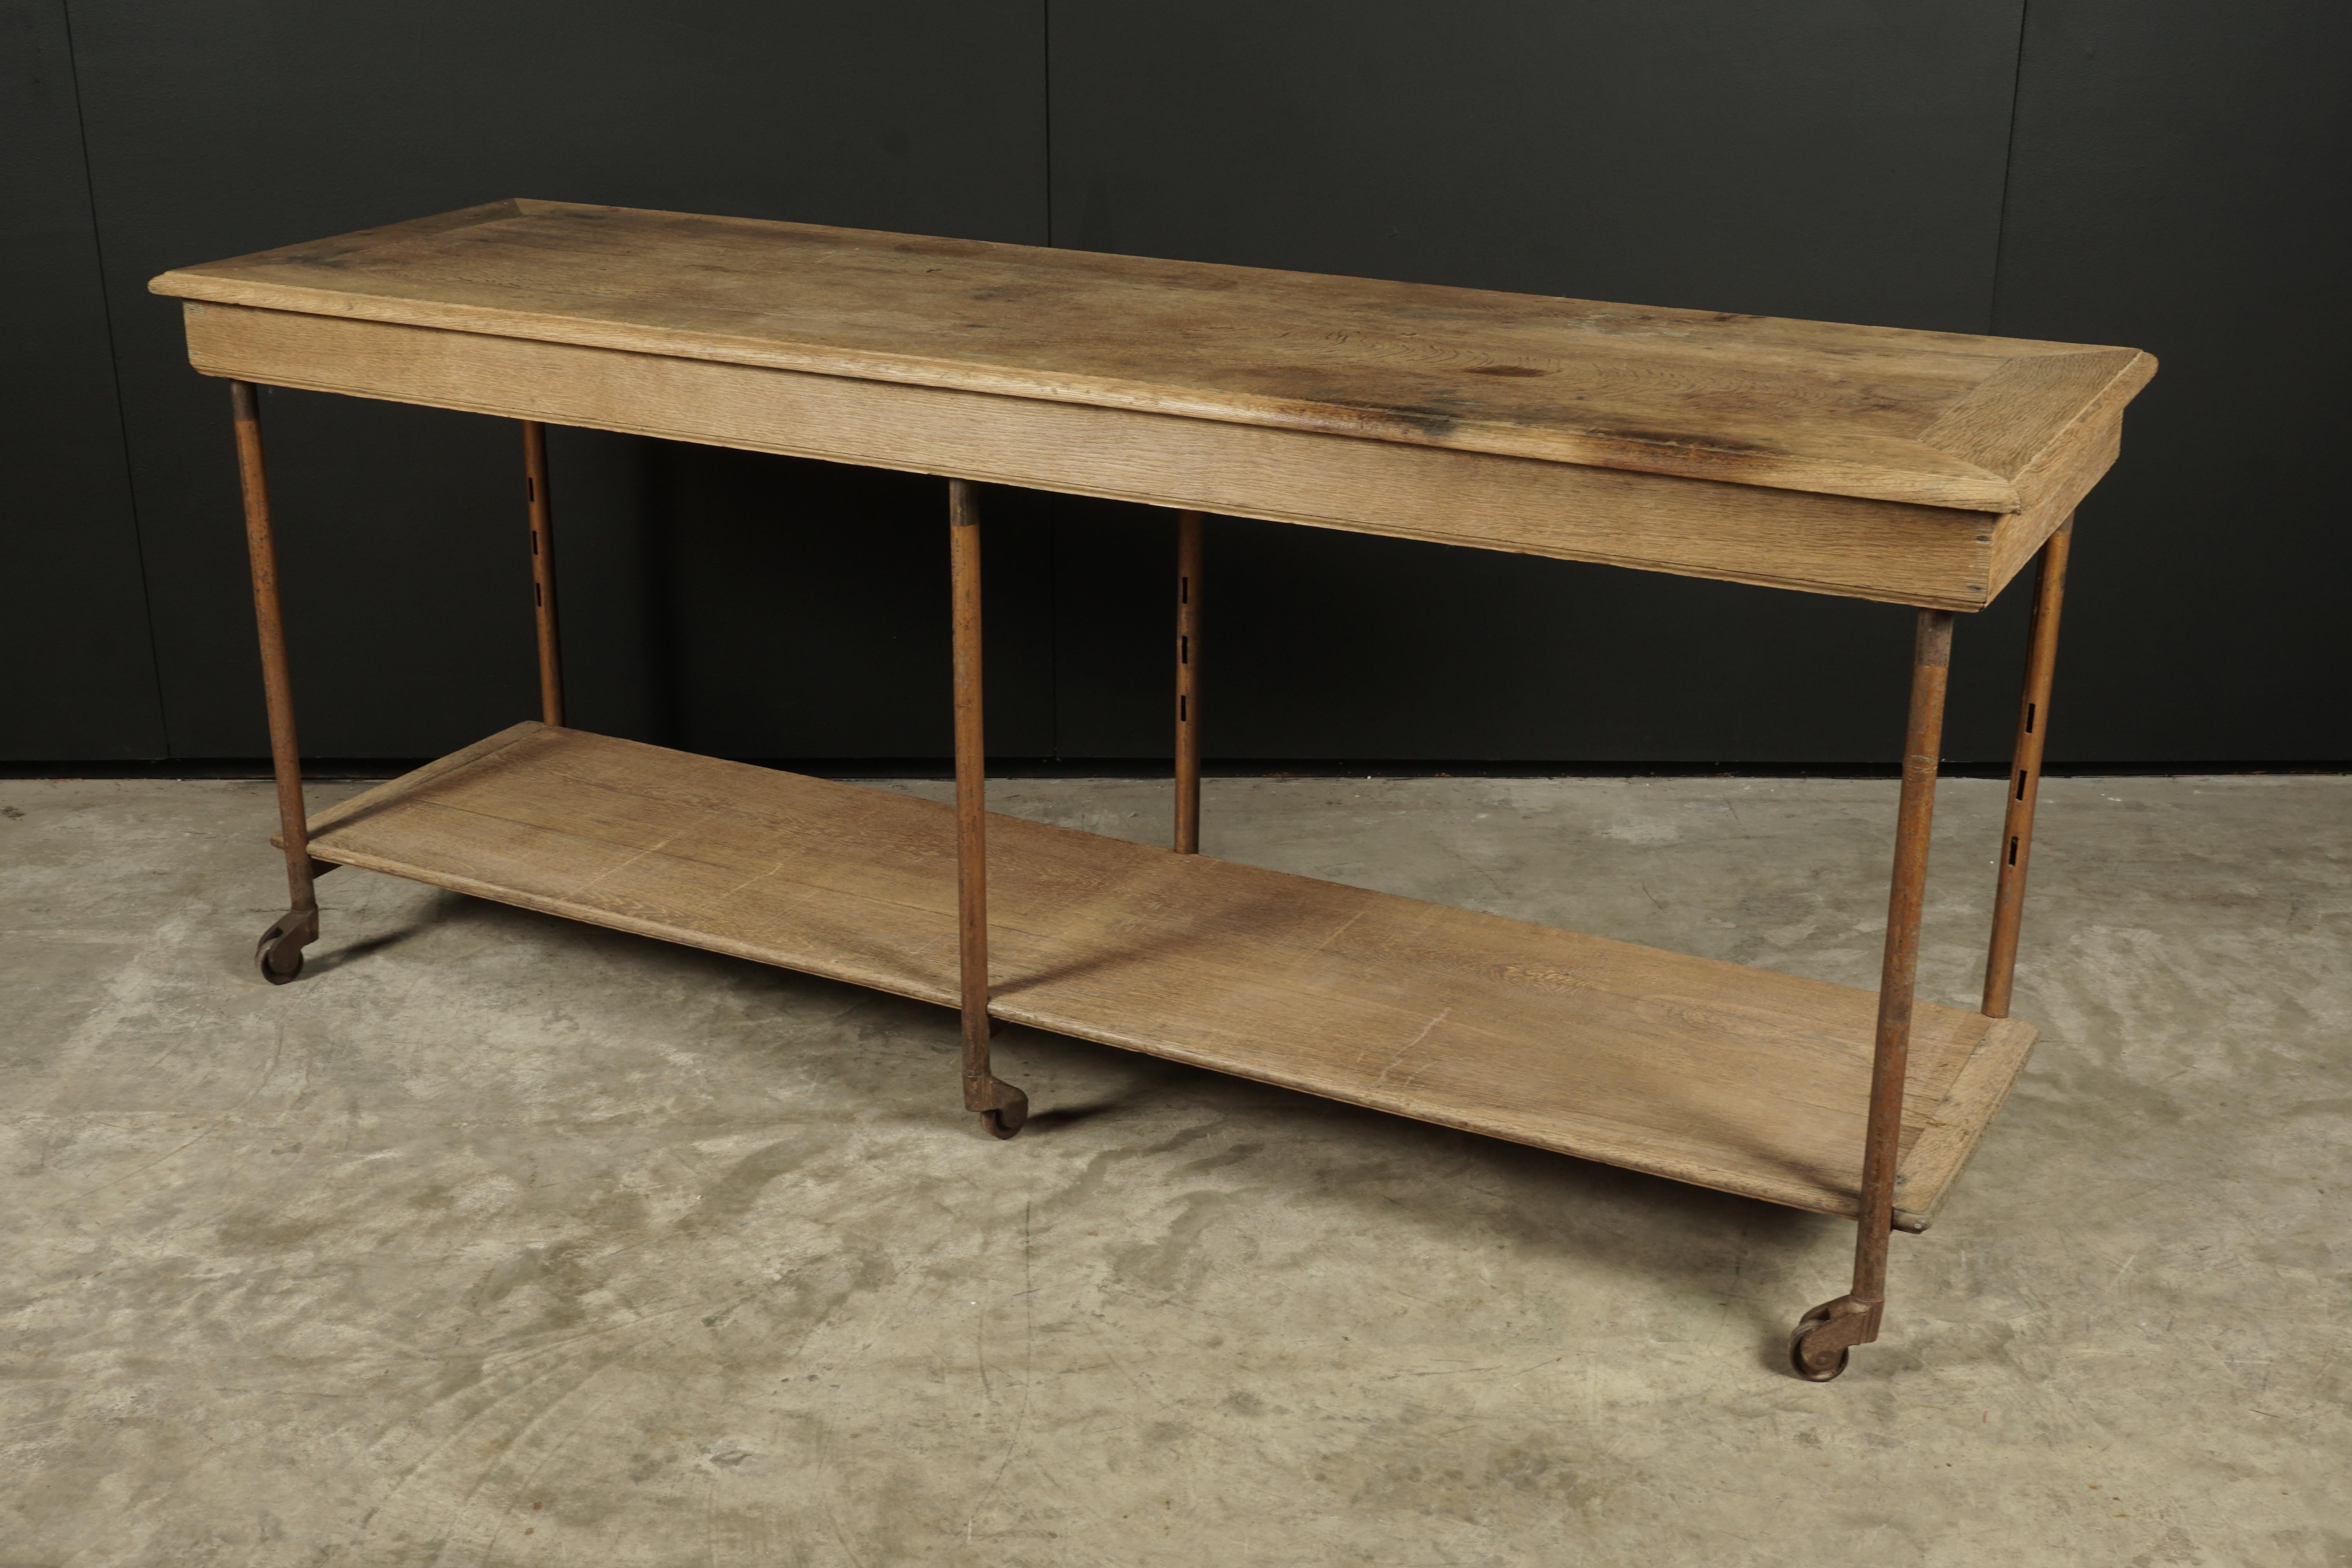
(279, 953)
(1824, 1336)
(1002, 1108)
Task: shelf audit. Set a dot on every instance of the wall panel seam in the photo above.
(2007, 169)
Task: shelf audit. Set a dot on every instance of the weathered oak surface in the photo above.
(1931, 418)
(1745, 1079)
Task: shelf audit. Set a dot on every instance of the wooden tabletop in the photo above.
(1931, 418)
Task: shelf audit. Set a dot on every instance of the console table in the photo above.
(1919, 469)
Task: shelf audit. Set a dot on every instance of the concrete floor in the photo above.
(497, 1240)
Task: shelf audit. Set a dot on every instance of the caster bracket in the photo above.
(1003, 1109)
(1825, 1337)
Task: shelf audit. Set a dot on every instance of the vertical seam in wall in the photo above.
(1046, 47)
(114, 378)
(2008, 170)
(1053, 507)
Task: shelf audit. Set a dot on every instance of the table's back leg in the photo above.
(1002, 1107)
(542, 570)
(1824, 1336)
(1187, 683)
(2025, 770)
(279, 953)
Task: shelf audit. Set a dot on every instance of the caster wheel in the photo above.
(279, 953)
(1009, 1114)
(1809, 1370)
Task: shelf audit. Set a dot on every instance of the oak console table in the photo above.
(1920, 468)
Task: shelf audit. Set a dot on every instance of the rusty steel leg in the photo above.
(542, 570)
(279, 953)
(1187, 683)
(2025, 771)
(1002, 1108)
(1819, 1347)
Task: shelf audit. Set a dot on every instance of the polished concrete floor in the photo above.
(497, 1240)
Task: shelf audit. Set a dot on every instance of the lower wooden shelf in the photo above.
(1740, 1079)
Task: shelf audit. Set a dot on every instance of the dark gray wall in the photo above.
(733, 605)
(1840, 160)
(77, 670)
(2077, 169)
(2181, 184)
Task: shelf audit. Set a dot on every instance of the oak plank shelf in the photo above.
(1920, 468)
(1740, 1079)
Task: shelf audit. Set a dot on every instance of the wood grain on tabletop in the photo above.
(1745, 1079)
(1932, 419)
